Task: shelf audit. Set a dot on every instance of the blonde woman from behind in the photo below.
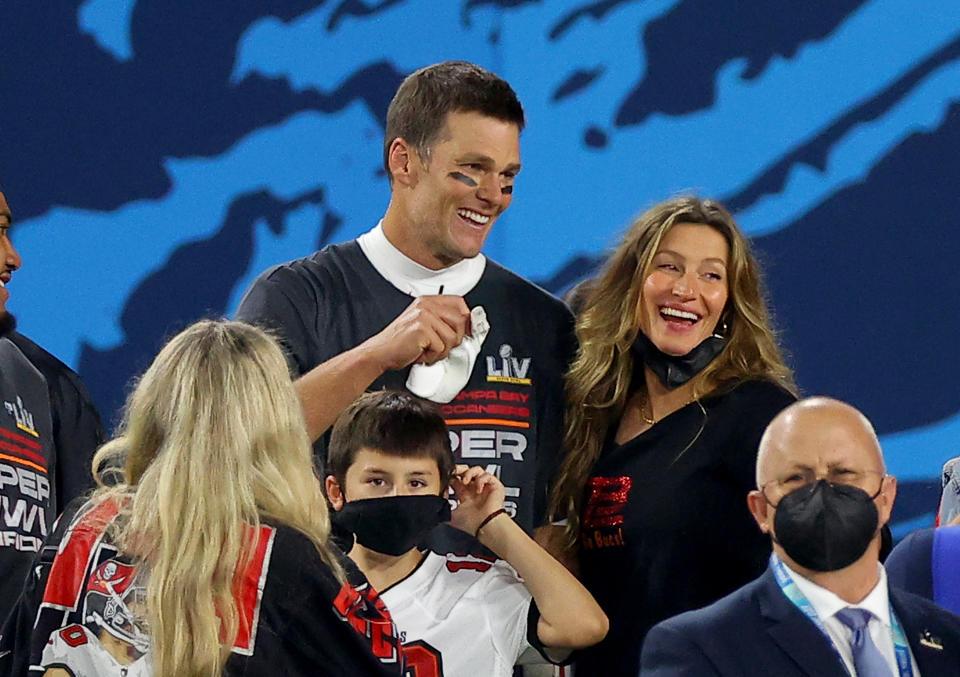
(211, 556)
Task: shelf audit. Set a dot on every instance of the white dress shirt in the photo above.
(877, 602)
(410, 277)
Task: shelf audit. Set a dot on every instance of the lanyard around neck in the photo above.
(792, 591)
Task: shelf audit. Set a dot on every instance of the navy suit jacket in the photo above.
(910, 565)
(757, 632)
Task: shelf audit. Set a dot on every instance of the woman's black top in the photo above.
(666, 527)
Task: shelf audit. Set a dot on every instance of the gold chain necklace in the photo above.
(649, 420)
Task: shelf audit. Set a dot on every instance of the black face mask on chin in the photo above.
(393, 525)
(675, 370)
(828, 527)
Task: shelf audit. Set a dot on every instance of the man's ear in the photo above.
(334, 492)
(401, 161)
(760, 510)
(888, 494)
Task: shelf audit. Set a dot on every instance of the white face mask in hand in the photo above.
(441, 381)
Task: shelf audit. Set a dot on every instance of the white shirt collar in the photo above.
(827, 603)
(410, 277)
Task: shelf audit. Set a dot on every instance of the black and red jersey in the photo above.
(296, 618)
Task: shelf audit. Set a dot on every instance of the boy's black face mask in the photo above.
(393, 525)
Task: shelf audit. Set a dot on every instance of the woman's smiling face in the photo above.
(685, 290)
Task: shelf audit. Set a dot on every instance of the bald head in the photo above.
(824, 456)
(818, 432)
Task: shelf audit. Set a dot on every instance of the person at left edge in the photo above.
(824, 607)
(361, 315)
(49, 431)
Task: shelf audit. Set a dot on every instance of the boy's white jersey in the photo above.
(460, 616)
(78, 651)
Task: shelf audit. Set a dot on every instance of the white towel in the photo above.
(441, 381)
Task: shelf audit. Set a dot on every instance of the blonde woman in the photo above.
(677, 375)
(212, 556)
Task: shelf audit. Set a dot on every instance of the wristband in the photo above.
(486, 519)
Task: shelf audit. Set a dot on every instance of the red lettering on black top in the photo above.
(606, 497)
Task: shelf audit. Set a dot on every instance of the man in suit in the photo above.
(823, 608)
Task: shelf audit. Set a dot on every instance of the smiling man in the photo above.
(413, 303)
(48, 433)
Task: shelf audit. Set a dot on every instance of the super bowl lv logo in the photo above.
(508, 369)
(603, 517)
(23, 417)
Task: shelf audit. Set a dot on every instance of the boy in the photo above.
(391, 468)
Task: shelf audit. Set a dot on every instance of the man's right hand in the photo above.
(425, 332)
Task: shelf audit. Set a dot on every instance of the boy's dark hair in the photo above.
(418, 111)
(390, 422)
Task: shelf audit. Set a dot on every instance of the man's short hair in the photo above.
(418, 111)
(394, 423)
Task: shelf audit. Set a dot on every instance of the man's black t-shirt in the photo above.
(28, 465)
(508, 417)
(49, 431)
(77, 427)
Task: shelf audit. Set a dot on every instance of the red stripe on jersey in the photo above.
(460, 562)
(487, 421)
(25, 441)
(463, 555)
(4, 457)
(248, 590)
(454, 567)
(23, 453)
(68, 579)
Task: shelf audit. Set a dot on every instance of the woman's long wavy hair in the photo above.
(599, 381)
(214, 440)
